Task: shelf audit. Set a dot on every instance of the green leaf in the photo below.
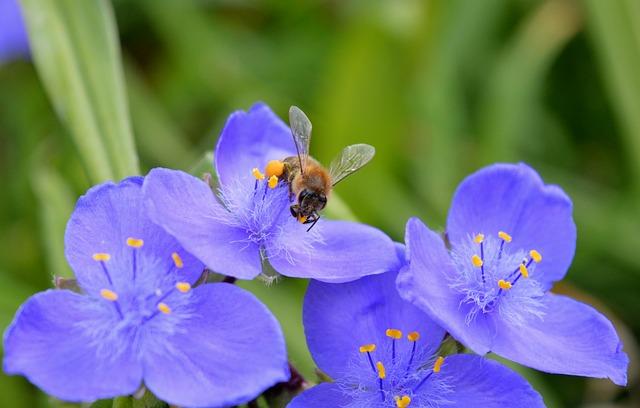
(76, 53)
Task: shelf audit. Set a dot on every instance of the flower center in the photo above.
(493, 276)
(142, 301)
(398, 374)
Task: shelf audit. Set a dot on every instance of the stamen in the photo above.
(535, 255)
(394, 333)
(109, 295)
(412, 337)
(273, 182)
(524, 271)
(183, 287)
(274, 168)
(504, 236)
(438, 364)
(367, 348)
(504, 284)
(177, 261)
(164, 308)
(478, 238)
(257, 174)
(403, 402)
(477, 261)
(101, 257)
(135, 242)
(382, 372)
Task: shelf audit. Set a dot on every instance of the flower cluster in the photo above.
(376, 313)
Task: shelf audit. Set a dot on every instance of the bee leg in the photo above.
(312, 220)
(294, 210)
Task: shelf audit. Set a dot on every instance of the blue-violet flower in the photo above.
(13, 36)
(380, 350)
(251, 220)
(140, 320)
(511, 236)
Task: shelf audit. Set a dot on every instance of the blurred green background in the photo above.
(441, 88)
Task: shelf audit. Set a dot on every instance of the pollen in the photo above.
(478, 238)
(135, 242)
(367, 348)
(506, 285)
(382, 372)
(504, 236)
(524, 271)
(257, 174)
(164, 308)
(403, 402)
(109, 295)
(394, 333)
(438, 364)
(535, 255)
(302, 219)
(274, 168)
(413, 336)
(102, 257)
(476, 261)
(177, 261)
(183, 287)
(273, 181)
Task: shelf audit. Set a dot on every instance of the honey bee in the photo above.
(309, 182)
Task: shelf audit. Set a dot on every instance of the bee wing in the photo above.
(349, 161)
(301, 131)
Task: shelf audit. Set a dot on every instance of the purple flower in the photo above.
(511, 237)
(251, 221)
(139, 320)
(13, 36)
(380, 350)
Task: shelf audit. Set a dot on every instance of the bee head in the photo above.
(310, 202)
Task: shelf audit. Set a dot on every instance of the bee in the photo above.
(310, 184)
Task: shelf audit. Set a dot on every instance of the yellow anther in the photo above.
(302, 219)
(476, 261)
(273, 182)
(478, 238)
(505, 237)
(257, 174)
(524, 271)
(403, 402)
(535, 255)
(382, 373)
(506, 285)
(274, 168)
(183, 287)
(367, 348)
(101, 257)
(394, 333)
(164, 308)
(109, 294)
(135, 242)
(438, 364)
(413, 336)
(177, 261)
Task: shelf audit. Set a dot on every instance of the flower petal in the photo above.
(48, 342)
(345, 251)
(514, 199)
(186, 208)
(572, 338)
(251, 139)
(425, 283)
(104, 218)
(321, 396)
(473, 379)
(227, 353)
(339, 318)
